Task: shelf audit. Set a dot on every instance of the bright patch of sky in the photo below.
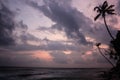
(84, 6)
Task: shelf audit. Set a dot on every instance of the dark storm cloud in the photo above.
(67, 18)
(28, 37)
(9, 28)
(6, 25)
(23, 27)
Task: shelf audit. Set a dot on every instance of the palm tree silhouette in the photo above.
(102, 10)
(98, 44)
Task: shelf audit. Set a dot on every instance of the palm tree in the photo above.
(102, 10)
(98, 44)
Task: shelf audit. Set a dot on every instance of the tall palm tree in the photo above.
(102, 10)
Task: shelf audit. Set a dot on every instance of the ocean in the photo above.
(50, 73)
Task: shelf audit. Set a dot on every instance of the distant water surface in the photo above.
(50, 74)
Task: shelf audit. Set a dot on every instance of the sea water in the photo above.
(50, 73)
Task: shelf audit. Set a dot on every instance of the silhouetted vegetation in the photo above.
(103, 10)
(114, 47)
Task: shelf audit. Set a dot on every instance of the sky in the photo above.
(54, 33)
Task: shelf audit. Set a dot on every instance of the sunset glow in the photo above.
(42, 55)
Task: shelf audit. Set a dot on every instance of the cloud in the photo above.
(15, 58)
(91, 58)
(21, 26)
(118, 7)
(46, 45)
(59, 57)
(47, 29)
(67, 18)
(100, 34)
(73, 22)
(28, 37)
(6, 25)
(77, 27)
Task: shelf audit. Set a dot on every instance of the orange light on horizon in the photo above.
(88, 52)
(87, 55)
(67, 52)
(43, 55)
(104, 46)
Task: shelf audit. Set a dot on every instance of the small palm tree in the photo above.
(102, 10)
(98, 44)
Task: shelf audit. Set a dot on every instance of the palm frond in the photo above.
(97, 9)
(97, 16)
(110, 10)
(111, 6)
(104, 9)
(105, 4)
(111, 13)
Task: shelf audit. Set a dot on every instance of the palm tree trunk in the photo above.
(108, 28)
(105, 57)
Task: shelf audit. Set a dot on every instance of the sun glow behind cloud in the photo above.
(42, 55)
(67, 52)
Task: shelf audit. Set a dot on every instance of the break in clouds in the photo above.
(17, 43)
